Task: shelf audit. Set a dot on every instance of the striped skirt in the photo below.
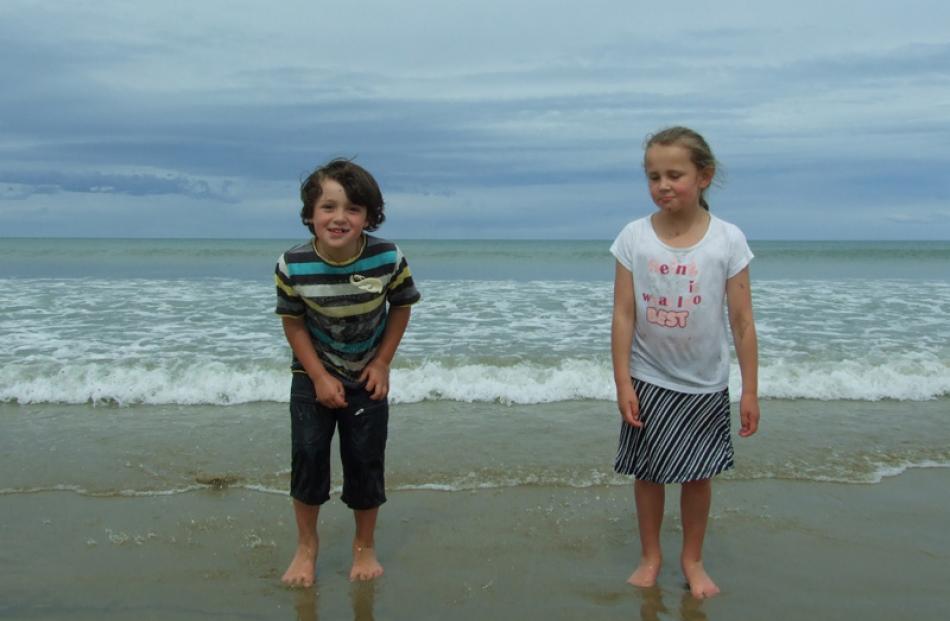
(685, 437)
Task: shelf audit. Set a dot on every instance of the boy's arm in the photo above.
(621, 339)
(329, 390)
(376, 373)
(739, 301)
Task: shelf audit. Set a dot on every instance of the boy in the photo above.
(344, 298)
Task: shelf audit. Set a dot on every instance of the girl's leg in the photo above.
(695, 499)
(300, 573)
(650, 498)
(365, 564)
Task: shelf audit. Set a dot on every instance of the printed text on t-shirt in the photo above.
(672, 311)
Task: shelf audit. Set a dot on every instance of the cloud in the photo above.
(19, 185)
(508, 114)
(931, 217)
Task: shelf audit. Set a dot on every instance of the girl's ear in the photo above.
(706, 177)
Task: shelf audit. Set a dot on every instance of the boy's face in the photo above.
(337, 223)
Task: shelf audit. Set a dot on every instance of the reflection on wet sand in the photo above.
(652, 606)
(362, 599)
(305, 604)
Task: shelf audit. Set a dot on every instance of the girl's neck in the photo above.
(681, 229)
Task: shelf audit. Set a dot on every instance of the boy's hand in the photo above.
(375, 375)
(748, 414)
(629, 405)
(329, 391)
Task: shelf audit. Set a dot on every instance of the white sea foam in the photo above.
(98, 383)
(885, 472)
(874, 473)
(912, 378)
(82, 491)
(909, 378)
(521, 383)
(164, 342)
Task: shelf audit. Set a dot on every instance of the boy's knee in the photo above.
(363, 455)
(310, 474)
(365, 491)
(364, 475)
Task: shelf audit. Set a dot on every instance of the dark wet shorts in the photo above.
(363, 427)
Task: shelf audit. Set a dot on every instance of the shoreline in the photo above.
(778, 549)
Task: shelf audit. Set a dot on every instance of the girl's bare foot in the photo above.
(365, 566)
(301, 571)
(645, 574)
(700, 584)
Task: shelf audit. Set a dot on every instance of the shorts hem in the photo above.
(360, 506)
(682, 478)
(308, 501)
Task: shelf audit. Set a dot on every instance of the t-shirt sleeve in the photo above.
(739, 252)
(622, 248)
(402, 289)
(289, 302)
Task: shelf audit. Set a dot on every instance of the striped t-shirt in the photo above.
(345, 305)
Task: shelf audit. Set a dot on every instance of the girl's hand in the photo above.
(375, 375)
(629, 405)
(748, 414)
(329, 391)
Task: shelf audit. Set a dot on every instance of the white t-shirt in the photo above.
(680, 340)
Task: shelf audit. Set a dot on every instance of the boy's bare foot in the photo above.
(301, 571)
(365, 566)
(700, 584)
(645, 574)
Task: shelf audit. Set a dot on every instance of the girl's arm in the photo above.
(376, 373)
(329, 390)
(621, 340)
(739, 301)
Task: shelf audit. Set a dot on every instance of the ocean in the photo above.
(166, 335)
(144, 437)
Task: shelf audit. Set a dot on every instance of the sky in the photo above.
(514, 119)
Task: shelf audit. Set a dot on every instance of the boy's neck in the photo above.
(346, 254)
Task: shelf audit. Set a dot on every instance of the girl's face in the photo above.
(675, 182)
(337, 223)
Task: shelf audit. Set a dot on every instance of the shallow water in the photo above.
(440, 445)
(143, 411)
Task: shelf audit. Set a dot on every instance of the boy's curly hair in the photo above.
(360, 187)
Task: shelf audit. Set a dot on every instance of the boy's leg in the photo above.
(650, 498)
(363, 434)
(365, 564)
(311, 430)
(695, 500)
(301, 570)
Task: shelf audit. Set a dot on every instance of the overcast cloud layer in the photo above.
(514, 119)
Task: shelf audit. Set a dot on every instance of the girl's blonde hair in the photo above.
(699, 152)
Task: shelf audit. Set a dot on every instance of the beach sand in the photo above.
(778, 549)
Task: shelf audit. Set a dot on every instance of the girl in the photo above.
(675, 269)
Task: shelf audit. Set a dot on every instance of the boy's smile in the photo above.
(337, 223)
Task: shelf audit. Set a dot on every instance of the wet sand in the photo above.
(778, 549)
